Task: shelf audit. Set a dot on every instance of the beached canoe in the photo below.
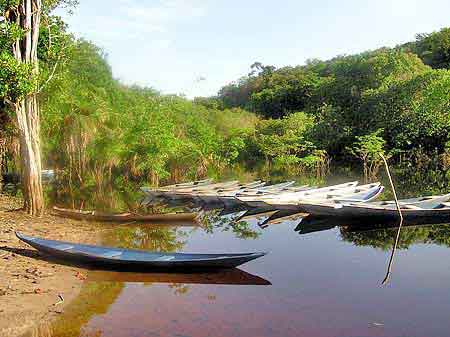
(125, 217)
(124, 258)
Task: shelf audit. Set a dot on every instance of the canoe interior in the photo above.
(125, 217)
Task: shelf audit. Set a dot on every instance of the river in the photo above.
(315, 281)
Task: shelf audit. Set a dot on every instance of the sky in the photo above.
(194, 47)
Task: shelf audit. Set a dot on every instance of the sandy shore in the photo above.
(33, 288)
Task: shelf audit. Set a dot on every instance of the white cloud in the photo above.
(161, 17)
(134, 19)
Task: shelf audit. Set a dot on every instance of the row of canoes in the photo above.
(348, 200)
(257, 193)
(344, 201)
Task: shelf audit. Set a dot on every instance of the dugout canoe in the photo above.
(255, 201)
(348, 192)
(158, 191)
(125, 217)
(129, 258)
(193, 193)
(362, 195)
(428, 209)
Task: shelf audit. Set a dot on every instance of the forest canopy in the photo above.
(403, 91)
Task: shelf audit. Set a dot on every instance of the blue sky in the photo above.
(170, 44)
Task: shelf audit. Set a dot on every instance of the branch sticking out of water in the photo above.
(388, 273)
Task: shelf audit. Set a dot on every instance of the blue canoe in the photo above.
(119, 257)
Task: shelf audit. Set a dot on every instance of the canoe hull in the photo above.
(126, 218)
(125, 259)
(379, 214)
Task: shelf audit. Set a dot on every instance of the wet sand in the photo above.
(34, 288)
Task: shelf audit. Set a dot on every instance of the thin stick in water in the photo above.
(388, 273)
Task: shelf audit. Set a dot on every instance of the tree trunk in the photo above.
(28, 17)
(28, 124)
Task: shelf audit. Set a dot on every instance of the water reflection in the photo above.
(379, 235)
(93, 299)
(322, 277)
(233, 276)
(214, 222)
(169, 239)
(384, 238)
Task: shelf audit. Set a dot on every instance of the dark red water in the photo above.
(320, 285)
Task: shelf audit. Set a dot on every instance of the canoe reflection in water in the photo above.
(233, 276)
(312, 223)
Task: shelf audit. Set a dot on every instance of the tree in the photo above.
(21, 29)
(283, 91)
(434, 48)
(19, 86)
(368, 148)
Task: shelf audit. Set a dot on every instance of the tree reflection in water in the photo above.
(384, 238)
(94, 299)
(147, 237)
(213, 221)
(379, 235)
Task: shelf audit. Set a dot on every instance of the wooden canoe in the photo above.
(255, 201)
(124, 258)
(160, 190)
(191, 183)
(363, 193)
(226, 187)
(426, 209)
(125, 217)
(364, 196)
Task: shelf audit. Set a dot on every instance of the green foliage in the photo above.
(321, 108)
(349, 96)
(413, 113)
(369, 149)
(284, 91)
(7, 4)
(284, 136)
(286, 143)
(93, 125)
(434, 48)
(16, 79)
(236, 94)
(19, 78)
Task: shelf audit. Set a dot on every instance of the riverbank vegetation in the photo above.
(403, 91)
(295, 118)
